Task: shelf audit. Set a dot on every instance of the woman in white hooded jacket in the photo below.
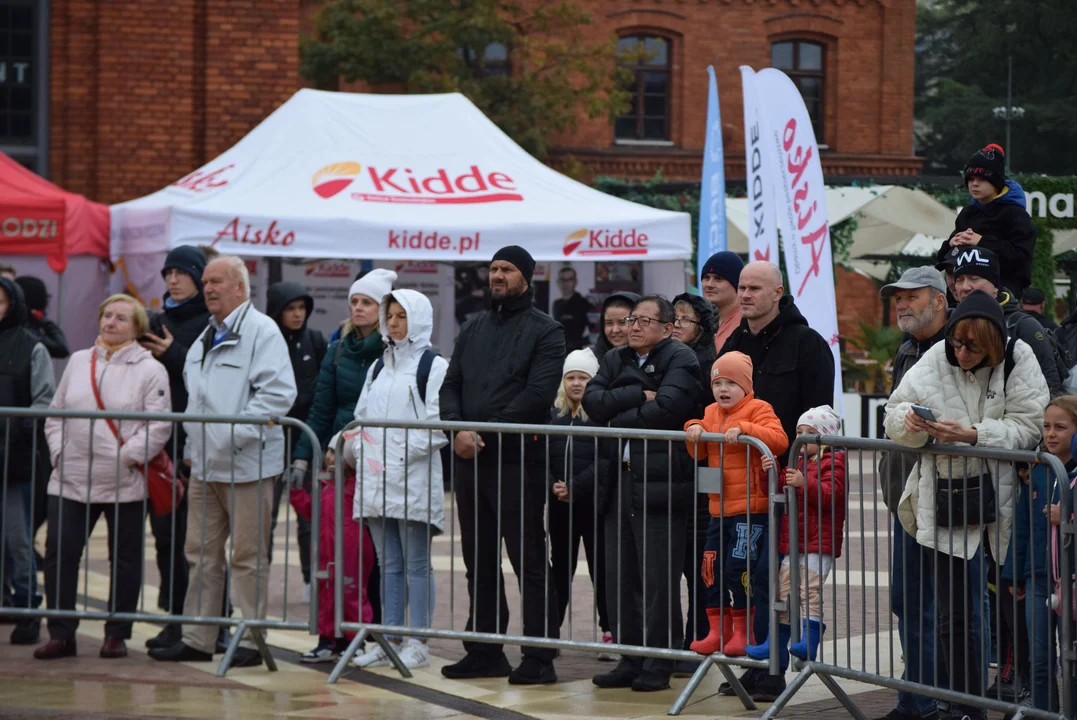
(975, 401)
(399, 492)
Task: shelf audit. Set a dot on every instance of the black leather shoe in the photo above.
(180, 652)
(750, 678)
(476, 666)
(533, 671)
(768, 688)
(650, 682)
(113, 648)
(170, 635)
(246, 657)
(26, 632)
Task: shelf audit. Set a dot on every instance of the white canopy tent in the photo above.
(390, 177)
(892, 220)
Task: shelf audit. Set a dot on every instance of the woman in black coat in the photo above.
(577, 505)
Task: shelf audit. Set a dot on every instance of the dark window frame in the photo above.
(640, 69)
(797, 73)
(30, 86)
(484, 68)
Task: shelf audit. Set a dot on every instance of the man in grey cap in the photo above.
(919, 300)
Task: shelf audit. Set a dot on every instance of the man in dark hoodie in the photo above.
(794, 372)
(290, 305)
(26, 380)
(172, 331)
(980, 269)
(695, 326)
(46, 331)
(996, 219)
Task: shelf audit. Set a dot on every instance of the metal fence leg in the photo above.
(346, 656)
(259, 636)
(233, 645)
(842, 696)
(792, 689)
(691, 687)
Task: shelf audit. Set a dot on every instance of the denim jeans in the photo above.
(20, 571)
(1043, 632)
(912, 599)
(406, 576)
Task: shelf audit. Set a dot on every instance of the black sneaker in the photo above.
(1006, 689)
(477, 666)
(651, 682)
(26, 632)
(533, 671)
(896, 714)
(768, 688)
(180, 652)
(749, 680)
(170, 635)
(246, 657)
(326, 651)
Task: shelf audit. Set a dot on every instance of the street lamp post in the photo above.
(1009, 112)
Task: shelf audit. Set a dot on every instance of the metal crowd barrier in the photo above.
(256, 626)
(866, 611)
(523, 468)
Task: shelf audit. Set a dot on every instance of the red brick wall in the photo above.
(868, 102)
(143, 92)
(858, 300)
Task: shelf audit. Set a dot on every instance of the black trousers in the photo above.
(644, 562)
(70, 523)
(953, 609)
(521, 510)
(169, 536)
(569, 524)
(696, 624)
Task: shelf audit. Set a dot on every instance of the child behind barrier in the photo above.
(739, 513)
(819, 479)
(355, 536)
(1037, 518)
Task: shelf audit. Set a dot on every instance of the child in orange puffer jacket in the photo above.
(739, 512)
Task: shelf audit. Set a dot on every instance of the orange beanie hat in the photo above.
(735, 366)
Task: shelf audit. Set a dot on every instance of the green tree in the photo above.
(527, 66)
(961, 67)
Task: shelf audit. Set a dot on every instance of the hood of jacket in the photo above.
(17, 312)
(129, 354)
(708, 322)
(977, 304)
(603, 345)
(281, 294)
(420, 321)
(1015, 195)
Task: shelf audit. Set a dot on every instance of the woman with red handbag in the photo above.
(102, 467)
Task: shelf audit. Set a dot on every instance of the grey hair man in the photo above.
(239, 365)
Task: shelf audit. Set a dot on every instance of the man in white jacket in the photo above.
(238, 366)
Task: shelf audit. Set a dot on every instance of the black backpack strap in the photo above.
(422, 375)
(1007, 368)
(378, 365)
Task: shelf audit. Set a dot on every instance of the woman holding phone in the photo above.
(982, 390)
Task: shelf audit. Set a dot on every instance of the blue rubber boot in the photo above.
(762, 651)
(809, 640)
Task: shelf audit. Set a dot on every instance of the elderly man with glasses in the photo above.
(652, 383)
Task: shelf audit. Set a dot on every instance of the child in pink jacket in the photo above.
(330, 647)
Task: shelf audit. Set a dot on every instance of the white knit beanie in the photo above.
(581, 361)
(822, 419)
(376, 284)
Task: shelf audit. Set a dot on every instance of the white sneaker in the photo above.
(415, 655)
(306, 593)
(375, 657)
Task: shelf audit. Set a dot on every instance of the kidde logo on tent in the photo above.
(333, 178)
(329, 268)
(606, 241)
(406, 185)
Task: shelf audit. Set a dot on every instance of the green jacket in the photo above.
(340, 381)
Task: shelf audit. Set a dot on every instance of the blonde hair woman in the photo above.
(96, 469)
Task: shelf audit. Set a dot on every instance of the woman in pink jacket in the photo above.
(95, 474)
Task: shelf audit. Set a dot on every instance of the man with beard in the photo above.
(919, 299)
(505, 368)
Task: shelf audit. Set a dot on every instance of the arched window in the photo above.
(804, 62)
(647, 57)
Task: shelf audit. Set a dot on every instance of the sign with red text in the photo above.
(34, 227)
(796, 175)
(758, 154)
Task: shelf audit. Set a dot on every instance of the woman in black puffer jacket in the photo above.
(695, 326)
(578, 503)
